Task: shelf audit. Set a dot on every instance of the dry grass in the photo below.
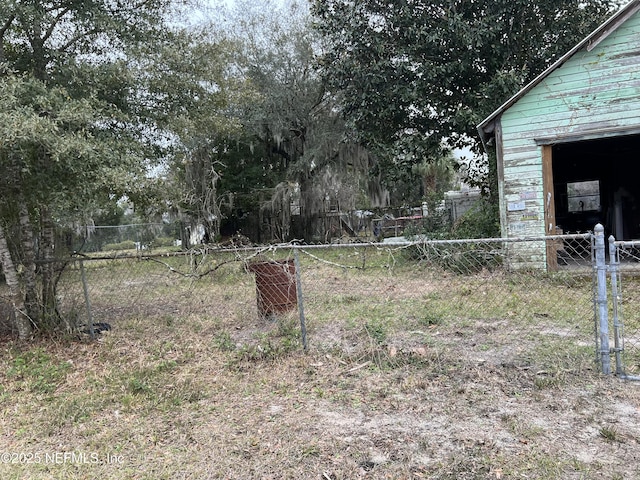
(405, 377)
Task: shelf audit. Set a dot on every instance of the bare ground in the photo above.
(402, 409)
(173, 392)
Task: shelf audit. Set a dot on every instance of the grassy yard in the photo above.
(408, 375)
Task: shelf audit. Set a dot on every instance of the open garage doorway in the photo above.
(598, 181)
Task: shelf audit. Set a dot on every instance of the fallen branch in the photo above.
(355, 369)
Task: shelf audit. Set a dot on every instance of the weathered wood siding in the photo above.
(596, 91)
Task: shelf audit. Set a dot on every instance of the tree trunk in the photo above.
(21, 319)
(29, 266)
(48, 267)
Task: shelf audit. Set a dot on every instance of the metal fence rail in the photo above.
(465, 301)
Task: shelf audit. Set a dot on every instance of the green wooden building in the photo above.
(568, 144)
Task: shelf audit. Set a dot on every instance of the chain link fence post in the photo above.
(303, 326)
(601, 300)
(615, 297)
(87, 300)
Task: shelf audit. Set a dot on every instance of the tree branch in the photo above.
(54, 24)
(3, 30)
(6, 25)
(77, 38)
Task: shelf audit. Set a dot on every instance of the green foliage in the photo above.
(433, 227)
(482, 221)
(610, 434)
(414, 172)
(163, 242)
(75, 125)
(126, 245)
(51, 146)
(461, 259)
(294, 143)
(430, 316)
(137, 385)
(199, 94)
(73, 137)
(224, 342)
(39, 372)
(377, 330)
(278, 343)
(412, 74)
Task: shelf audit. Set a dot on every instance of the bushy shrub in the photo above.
(481, 221)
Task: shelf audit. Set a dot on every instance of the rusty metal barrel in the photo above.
(275, 286)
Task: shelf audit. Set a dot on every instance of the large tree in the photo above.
(198, 93)
(74, 130)
(414, 73)
(292, 121)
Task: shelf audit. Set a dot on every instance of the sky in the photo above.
(208, 8)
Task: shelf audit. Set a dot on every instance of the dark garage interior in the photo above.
(597, 181)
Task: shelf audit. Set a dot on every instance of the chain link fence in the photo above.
(451, 302)
(146, 237)
(624, 258)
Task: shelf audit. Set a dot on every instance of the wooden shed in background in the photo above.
(568, 144)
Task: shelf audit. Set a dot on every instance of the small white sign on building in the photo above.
(516, 206)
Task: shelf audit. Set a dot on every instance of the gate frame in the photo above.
(603, 272)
